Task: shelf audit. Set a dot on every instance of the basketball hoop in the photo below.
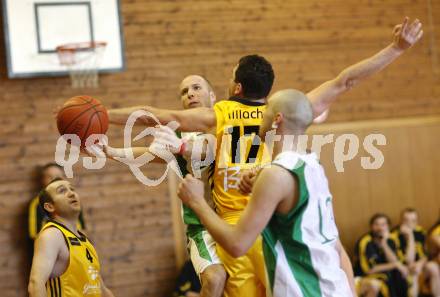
(82, 61)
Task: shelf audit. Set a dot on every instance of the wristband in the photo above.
(182, 148)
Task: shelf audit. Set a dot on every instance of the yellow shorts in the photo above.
(247, 274)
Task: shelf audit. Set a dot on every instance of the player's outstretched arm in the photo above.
(119, 154)
(346, 266)
(404, 36)
(236, 240)
(47, 248)
(119, 116)
(200, 119)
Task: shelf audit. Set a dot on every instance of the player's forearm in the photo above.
(37, 288)
(130, 154)
(410, 255)
(389, 254)
(382, 268)
(366, 68)
(119, 116)
(347, 267)
(223, 233)
(322, 97)
(200, 119)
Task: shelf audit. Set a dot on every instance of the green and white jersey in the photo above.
(188, 215)
(300, 248)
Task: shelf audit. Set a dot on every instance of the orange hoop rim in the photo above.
(80, 46)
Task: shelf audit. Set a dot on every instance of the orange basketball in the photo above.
(83, 116)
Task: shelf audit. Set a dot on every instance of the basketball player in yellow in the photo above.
(241, 115)
(65, 263)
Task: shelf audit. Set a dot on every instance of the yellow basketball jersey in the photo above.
(238, 122)
(82, 276)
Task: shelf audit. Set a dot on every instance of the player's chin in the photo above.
(76, 206)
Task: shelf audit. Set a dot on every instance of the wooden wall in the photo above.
(308, 42)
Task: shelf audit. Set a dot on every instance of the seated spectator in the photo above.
(409, 236)
(430, 279)
(188, 284)
(378, 259)
(37, 218)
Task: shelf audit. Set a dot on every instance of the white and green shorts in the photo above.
(202, 248)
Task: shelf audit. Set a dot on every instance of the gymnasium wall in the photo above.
(406, 177)
(308, 42)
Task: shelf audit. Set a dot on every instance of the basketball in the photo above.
(83, 116)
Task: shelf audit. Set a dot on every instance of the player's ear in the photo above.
(212, 98)
(238, 89)
(49, 207)
(278, 119)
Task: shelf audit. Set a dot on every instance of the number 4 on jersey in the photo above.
(89, 256)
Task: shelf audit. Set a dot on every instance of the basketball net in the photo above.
(82, 61)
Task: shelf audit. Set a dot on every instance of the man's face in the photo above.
(410, 219)
(65, 201)
(195, 92)
(380, 226)
(50, 174)
(232, 84)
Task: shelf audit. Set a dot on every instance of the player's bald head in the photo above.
(195, 78)
(294, 106)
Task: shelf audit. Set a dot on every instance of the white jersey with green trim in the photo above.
(300, 248)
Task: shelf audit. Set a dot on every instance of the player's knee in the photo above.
(214, 277)
(373, 286)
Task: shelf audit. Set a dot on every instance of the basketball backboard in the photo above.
(34, 28)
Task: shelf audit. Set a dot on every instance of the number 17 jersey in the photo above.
(238, 149)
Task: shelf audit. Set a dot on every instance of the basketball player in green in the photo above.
(291, 206)
(195, 91)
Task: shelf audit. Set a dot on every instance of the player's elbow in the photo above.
(33, 286)
(343, 83)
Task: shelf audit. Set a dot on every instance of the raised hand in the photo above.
(191, 190)
(406, 35)
(405, 230)
(247, 180)
(165, 137)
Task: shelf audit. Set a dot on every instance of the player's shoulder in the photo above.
(293, 160)
(222, 103)
(276, 177)
(364, 240)
(51, 235)
(419, 230)
(274, 171)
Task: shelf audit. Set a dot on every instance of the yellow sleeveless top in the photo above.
(82, 276)
(236, 119)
